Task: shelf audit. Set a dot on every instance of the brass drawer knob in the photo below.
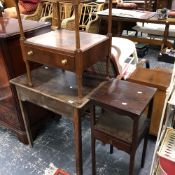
(30, 53)
(64, 62)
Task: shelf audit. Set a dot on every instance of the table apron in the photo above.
(46, 102)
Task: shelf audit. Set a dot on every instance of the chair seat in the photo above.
(119, 126)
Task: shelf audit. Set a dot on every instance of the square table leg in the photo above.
(78, 141)
(26, 121)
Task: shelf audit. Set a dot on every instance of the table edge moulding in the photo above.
(76, 51)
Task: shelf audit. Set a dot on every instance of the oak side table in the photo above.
(55, 90)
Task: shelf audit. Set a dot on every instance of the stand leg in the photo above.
(26, 122)
(28, 73)
(78, 141)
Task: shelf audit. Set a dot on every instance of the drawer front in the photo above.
(66, 62)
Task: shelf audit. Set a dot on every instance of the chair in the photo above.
(45, 9)
(123, 122)
(69, 23)
(123, 60)
(42, 13)
(88, 21)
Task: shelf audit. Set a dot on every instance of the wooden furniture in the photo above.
(122, 63)
(154, 78)
(122, 124)
(143, 16)
(45, 9)
(12, 65)
(89, 20)
(42, 13)
(55, 90)
(73, 51)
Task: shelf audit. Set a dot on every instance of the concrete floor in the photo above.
(54, 147)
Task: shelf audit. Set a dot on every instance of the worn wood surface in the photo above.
(123, 96)
(157, 78)
(56, 90)
(52, 83)
(154, 78)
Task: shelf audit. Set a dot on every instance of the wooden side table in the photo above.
(123, 123)
(12, 65)
(154, 78)
(55, 90)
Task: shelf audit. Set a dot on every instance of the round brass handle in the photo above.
(30, 53)
(64, 62)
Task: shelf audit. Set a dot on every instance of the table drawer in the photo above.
(50, 58)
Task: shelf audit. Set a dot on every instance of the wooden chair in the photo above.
(44, 11)
(122, 62)
(123, 123)
(69, 23)
(89, 20)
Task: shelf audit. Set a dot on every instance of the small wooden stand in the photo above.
(73, 51)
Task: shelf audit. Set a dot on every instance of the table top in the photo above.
(10, 27)
(124, 97)
(135, 16)
(56, 84)
(65, 40)
(152, 77)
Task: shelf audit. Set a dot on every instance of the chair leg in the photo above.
(144, 150)
(93, 141)
(131, 164)
(111, 149)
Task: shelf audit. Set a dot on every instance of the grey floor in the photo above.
(54, 148)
